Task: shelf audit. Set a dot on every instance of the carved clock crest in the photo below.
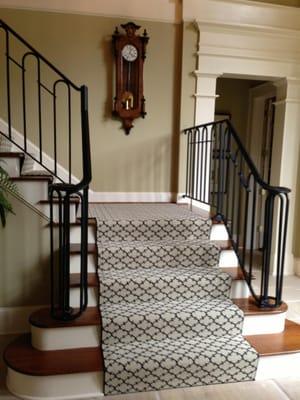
(130, 53)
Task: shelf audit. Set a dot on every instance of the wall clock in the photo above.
(130, 53)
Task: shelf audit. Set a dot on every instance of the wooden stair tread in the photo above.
(48, 178)
(285, 342)
(249, 307)
(73, 200)
(223, 244)
(92, 280)
(42, 319)
(11, 154)
(76, 247)
(23, 358)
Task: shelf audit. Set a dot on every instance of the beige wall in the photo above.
(80, 45)
(24, 249)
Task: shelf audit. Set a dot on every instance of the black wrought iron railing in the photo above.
(48, 110)
(220, 173)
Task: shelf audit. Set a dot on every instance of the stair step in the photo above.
(235, 272)
(285, 342)
(163, 284)
(11, 162)
(155, 365)
(42, 319)
(170, 253)
(22, 357)
(46, 178)
(189, 228)
(173, 320)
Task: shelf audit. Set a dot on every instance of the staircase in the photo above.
(148, 297)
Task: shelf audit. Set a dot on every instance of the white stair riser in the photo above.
(264, 324)
(11, 165)
(45, 209)
(75, 263)
(46, 339)
(92, 297)
(55, 387)
(278, 366)
(33, 191)
(239, 290)
(218, 232)
(228, 258)
(76, 232)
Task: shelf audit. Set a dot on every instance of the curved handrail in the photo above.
(220, 173)
(251, 165)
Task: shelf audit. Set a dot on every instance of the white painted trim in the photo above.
(278, 366)
(249, 14)
(264, 324)
(158, 10)
(55, 387)
(131, 197)
(33, 149)
(15, 320)
(48, 339)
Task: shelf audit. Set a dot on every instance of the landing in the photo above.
(133, 211)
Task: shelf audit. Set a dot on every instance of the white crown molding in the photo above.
(131, 197)
(243, 13)
(156, 10)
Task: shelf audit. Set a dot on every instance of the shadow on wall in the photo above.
(296, 244)
(25, 250)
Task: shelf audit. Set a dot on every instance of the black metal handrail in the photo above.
(220, 173)
(61, 191)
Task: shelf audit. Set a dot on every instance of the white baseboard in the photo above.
(131, 197)
(15, 319)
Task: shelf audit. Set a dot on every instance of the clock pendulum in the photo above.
(130, 53)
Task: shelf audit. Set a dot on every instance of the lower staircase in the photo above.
(175, 312)
(167, 320)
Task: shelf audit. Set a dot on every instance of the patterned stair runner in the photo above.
(167, 320)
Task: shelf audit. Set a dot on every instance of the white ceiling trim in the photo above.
(154, 10)
(243, 13)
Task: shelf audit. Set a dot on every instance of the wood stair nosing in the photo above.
(42, 319)
(73, 200)
(91, 316)
(12, 154)
(33, 178)
(274, 344)
(23, 358)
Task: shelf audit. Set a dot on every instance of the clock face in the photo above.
(129, 52)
